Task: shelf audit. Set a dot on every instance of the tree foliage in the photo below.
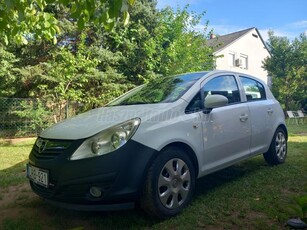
(7, 76)
(24, 20)
(288, 68)
(93, 65)
(76, 77)
(183, 47)
(37, 112)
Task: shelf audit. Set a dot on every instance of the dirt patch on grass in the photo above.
(17, 140)
(20, 206)
(15, 194)
(12, 198)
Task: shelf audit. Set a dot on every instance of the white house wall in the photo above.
(247, 45)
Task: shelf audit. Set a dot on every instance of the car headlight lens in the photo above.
(107, 141)
(118, 139)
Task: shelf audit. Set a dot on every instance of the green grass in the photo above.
(21, 224)
(13, 159)
(298, 129)
(248, 195)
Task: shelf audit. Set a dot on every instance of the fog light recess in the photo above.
(95, 191)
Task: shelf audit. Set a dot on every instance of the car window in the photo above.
(160, 90)
(254, 90)
(195, 104)
(223, 85)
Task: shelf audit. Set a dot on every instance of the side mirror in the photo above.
(215, 101)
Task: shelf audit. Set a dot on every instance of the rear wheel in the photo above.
(169, 184)
(277, 152)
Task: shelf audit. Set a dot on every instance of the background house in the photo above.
(242, 51)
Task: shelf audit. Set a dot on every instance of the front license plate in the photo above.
(38, 176)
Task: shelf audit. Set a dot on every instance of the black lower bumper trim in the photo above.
(91, 208)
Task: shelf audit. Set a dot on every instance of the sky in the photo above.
(285, 17)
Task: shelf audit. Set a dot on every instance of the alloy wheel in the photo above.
(281, 145)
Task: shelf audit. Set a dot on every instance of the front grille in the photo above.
(46, 154)
(48, 149)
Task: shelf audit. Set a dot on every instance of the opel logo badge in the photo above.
(41, 145)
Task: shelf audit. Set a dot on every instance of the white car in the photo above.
(151, 144)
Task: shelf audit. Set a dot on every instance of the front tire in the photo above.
(277, 152)
(169, 185)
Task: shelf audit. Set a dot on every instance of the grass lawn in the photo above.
(249, 195)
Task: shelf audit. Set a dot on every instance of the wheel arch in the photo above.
(283, 127)
(273, 156)
(181, 145)
(188, 150)
(149, 199)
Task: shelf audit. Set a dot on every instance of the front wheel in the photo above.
(277, 152)
(169, 184)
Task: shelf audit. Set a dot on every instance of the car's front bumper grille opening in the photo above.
(42, 191)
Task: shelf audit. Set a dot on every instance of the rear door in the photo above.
(261, 114)
(227, 129)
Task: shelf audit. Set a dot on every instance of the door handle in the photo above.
(270, 111)
(243, 117)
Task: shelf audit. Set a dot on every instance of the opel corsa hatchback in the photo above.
(151, 144)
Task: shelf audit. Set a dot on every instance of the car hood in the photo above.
(96, 120)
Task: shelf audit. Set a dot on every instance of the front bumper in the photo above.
(119, 175)
(93, 207)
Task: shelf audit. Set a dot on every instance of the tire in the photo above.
(169, 184)
(277, 152)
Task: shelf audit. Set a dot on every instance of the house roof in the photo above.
(220, 42)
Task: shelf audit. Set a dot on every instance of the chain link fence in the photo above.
(20, 117)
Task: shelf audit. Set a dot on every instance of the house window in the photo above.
(231, 59)
(244, 61)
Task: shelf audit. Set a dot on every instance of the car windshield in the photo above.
(160, 90)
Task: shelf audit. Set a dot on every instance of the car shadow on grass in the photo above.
(34, 213)
(228, 175)
(20, 208)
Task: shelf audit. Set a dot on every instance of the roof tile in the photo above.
(220, 42)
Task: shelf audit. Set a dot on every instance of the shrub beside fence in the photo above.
(23, 117)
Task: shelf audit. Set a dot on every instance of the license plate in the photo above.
(38, 176)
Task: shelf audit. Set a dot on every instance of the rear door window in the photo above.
(253, 89)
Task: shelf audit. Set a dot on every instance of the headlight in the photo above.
(107, 141)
